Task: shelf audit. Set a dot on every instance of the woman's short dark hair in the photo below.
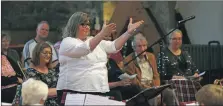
(36, 53)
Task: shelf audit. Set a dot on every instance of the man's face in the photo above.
(140, 46)
(43, 31)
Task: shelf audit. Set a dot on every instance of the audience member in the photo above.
(34, 92)
(41, 69)
(11, 76)
(176, 63)
(210, 95)
(42, 32)
(123, 87)
(13, 54)
(146, 69)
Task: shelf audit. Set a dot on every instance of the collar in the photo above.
(141, 60)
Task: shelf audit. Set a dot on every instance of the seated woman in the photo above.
(13, 54)
(11, 76)
(34, 98)
(175, 62)
(120, 89)
(40, 69)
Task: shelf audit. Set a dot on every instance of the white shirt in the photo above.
(147, 71)
(81, 69)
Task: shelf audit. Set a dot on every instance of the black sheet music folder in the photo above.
(142, 97)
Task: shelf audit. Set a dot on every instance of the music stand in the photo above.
(143, 97)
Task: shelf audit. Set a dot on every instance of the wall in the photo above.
(135, 9)
(208, 24)
(19, 18)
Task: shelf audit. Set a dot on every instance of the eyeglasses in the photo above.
(45, 53)
(85, 25)
(176, 39)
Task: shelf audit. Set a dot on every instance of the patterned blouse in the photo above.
(170, 64)
(50, 79)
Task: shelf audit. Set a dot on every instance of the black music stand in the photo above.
(141, 99)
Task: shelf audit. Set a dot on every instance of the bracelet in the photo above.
(127, 34)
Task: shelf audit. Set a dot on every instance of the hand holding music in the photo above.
(19, 80)
(125, 82)
(196, 75)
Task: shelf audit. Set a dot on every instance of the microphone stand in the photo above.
(158, 41)
(162, 38)
(161, 46)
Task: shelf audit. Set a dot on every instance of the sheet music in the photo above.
(95, 100)
(75, 99)
(115, 103)
(192, 104)
(201, 74)
(88, 99)
(125, 76)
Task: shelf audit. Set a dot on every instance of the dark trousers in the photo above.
(8, 94)
(115, 94)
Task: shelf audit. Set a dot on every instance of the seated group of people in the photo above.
(40, 68)
(85, 66)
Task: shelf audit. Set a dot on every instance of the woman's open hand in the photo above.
(108, 29)
(132, 26)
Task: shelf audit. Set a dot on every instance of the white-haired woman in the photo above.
(83, 58)
(175, 62)
(210, 95)
(34, 92)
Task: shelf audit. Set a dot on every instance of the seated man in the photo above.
(34, 92)
(146, 69)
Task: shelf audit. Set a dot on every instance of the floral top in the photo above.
(170, 64)
(50, 79)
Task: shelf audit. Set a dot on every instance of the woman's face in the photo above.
(84, 30)
(5, 43)
(176, 40)
(45, 55)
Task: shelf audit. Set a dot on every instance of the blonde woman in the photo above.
(40, 69)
